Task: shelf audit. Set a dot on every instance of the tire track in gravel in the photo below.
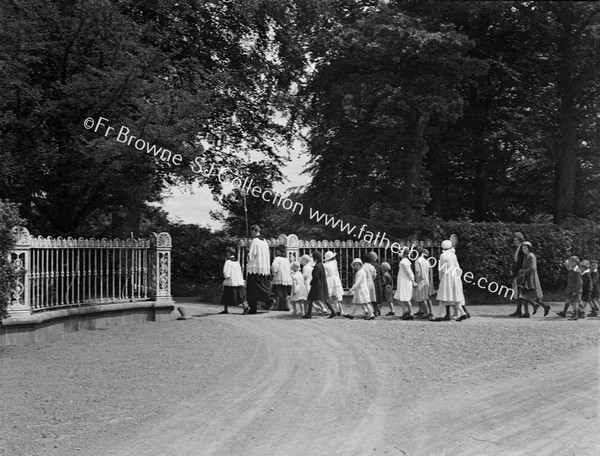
(304, 390)
(321, 387)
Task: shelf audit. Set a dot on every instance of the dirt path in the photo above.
(272, 385)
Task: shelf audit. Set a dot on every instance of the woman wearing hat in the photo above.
(362, 296)
(518, 239)
(528, 283)
(450, 292)
(334, 283)
(404, 285)
(371, 273)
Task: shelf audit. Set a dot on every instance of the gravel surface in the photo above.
(272, 384)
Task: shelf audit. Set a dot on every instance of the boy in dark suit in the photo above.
(574, 288)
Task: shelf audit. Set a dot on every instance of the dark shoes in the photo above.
(389, 314)
(306, 316)
(447, 318)
(546, 309)
(461, 318)
(515, 314)
(436, 319)
(408, 317)
(524, 316)
(223, 312)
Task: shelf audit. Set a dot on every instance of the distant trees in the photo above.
(478, 111)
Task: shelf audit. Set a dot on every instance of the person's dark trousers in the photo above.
(519, 310)
(331, 309)
(253, 307)
(448, 316)
(309, 309)
(376, 309)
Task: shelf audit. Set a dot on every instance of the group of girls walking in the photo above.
(313, 284)
(417, 286)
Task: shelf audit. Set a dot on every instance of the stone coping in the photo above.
(86, 309)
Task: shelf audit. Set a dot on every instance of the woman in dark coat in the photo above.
(528, 283)
(378, 281)
(318, 286)
(518, 240)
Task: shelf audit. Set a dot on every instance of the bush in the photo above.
(9, 218)
(197, 260)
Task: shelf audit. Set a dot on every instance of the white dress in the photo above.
(299, 290)
(307, 273)
(450, 289)
(404, 289)
(334, 283)
(371, 273)
(360, 288)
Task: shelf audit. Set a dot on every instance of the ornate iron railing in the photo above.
(345, 251)
(56, 273)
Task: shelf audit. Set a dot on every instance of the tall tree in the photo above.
(179, 75)
(378, 86)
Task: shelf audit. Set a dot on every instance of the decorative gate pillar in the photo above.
(160, 264)
(293, 248)
(20, 257)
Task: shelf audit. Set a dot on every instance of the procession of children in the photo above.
(312, 285)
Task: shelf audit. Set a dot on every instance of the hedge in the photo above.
(487, 250)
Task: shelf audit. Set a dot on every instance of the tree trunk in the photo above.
(407, 169)
(566, 142)
(566, 161)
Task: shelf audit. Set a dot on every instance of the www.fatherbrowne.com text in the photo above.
(245, 185)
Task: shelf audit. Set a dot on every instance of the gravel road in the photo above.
(271, 384)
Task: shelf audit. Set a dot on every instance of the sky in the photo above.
(193, 205)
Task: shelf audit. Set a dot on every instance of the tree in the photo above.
(379, 85)
(201, 79)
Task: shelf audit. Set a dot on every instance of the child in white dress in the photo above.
(299, 291)
(371, 274)
(405, 284)
(362, 296)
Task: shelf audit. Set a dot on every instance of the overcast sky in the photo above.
(194, 208)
